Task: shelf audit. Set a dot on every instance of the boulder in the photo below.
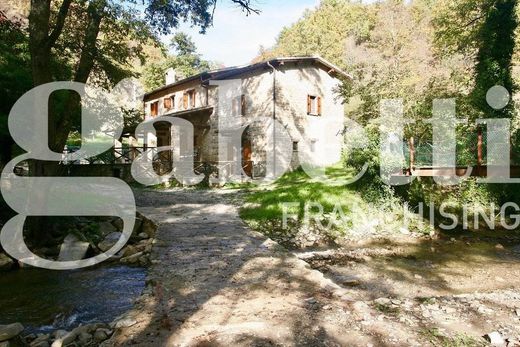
(100, 335)
(9, 331)
(117, 223)
(58, 334)
(137, 226)
(149, 228)
(109, 241)
(6, 263)
(73, 248)
(84, 338)
(106, 228)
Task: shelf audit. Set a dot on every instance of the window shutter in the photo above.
(243, 105)
(185, 101)
(167, 103)
(309, 104)
(154, 108)
(319, 105)
(192, 98)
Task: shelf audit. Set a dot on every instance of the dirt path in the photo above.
(214, 282)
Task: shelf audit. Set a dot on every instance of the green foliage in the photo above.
(15, 76)
(186, 62)
(323, 31)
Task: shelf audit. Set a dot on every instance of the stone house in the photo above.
(299, 92)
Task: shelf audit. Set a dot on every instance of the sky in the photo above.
(235, 38)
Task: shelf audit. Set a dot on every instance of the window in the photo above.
(154, 109)
(295, 146)
(239, 105)
(189, 99)
(314, 105)
(169, 102)
(243, 105)
(313, 146)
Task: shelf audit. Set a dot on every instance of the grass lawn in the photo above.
(267, 202)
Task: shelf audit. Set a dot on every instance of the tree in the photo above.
(94, 36)
(186, 62)
(323, 31)
(15, 76)
(487, 29)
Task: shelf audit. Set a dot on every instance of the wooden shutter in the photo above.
(243, 105)
(309, 104)
(185, 101)
(154, 109)
(167, 103)
(319, 105)
(192, 93)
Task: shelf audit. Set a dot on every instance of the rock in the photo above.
(37, 342)
(100, 335)
(118, 224)
(58, 334)
(129, 250)
(495, 339)
(143, 261)
(499, 246)
(517, 311)
(149, 228)
(106, 228)
(143, 236)
(5, 344)
(109, 241)
(9, 331)
(73, 248)
(133, 259)
(137, 226)
(383, 301)
(6, 263)
(84, 338)
(124, 323)
(417, 276)
(349, 281)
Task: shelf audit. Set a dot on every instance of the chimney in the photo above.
(170, 76)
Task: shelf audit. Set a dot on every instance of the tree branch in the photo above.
(60, 22)
(246, 6)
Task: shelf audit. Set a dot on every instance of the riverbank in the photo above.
(61, 307)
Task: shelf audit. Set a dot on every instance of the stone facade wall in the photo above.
(317, 136)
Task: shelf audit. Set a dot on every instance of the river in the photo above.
(45, 300)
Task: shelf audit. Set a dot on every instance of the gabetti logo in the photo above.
(102, 122)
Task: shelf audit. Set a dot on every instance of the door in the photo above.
(164, 158)
(247, 164)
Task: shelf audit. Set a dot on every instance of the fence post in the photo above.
(411, 146)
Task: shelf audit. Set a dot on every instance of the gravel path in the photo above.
(215, 282)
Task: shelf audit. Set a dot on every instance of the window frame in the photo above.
(314, 105)
(154, 108)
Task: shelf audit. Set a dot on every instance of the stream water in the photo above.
(45, 300)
